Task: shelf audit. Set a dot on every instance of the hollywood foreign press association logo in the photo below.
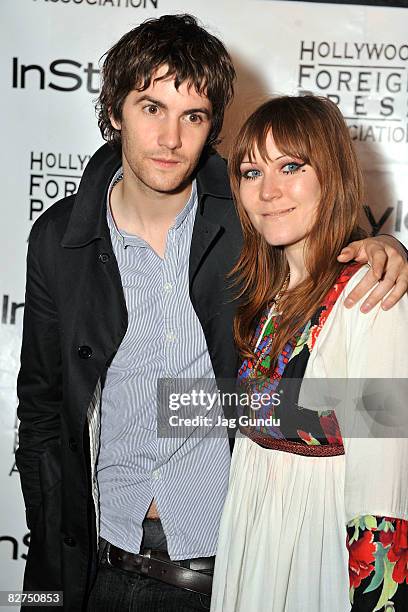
(368, 80)
(53, 176)
(387, 3)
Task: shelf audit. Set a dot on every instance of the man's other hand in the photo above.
(388, 272)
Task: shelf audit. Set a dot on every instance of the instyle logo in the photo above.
(11, 544)
(10, 310)
(140, 4)
(61, 75)
(53, 176)
(394, 219)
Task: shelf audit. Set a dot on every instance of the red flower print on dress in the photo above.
(306, 437)
(342, 280)
(386, 537)
(331, 428)
(334, 293)
(361, 558)
(316, 329)
(330, 300)
(398, 552)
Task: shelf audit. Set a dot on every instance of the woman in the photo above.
(312, 521)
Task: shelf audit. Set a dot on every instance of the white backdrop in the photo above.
(49, 53)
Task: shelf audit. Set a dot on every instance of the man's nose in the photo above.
(170, 134)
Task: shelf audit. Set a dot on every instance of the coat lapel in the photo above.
(213, 184)
(88, 217)
(204, 233)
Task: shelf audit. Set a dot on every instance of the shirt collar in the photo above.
(87, 221)
(192, 200)
(133, 240)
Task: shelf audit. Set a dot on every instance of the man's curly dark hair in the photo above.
(191, 55)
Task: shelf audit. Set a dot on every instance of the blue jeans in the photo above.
(117, 590)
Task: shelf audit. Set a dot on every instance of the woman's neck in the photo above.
(295, 255)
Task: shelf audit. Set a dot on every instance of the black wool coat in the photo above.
(75, 318)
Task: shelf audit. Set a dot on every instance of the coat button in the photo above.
(69, 541)
(72, 444)
(84, 351)
(104, 257)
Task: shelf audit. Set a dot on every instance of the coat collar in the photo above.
(212, 176)
(88, 218)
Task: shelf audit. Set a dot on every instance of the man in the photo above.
(126, 285)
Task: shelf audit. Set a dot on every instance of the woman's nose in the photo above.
(270, 188)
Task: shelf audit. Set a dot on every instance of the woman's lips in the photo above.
(278, 213)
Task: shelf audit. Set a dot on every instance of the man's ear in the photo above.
(114, 122)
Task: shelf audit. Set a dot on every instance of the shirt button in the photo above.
(166, 382)
(156, 474)
(69, 541)
(170, 336)
(104, 257)
(85, 352)
(167, 287)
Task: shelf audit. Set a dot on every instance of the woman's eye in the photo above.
(292, 167)
(193, 118)
(250, 174)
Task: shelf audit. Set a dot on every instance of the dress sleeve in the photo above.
(376, 423)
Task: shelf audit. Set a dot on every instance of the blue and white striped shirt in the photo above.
(187, 477)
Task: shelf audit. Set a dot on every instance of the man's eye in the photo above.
(251, 174)
(152, 109)
(292, 167)
(194, 118)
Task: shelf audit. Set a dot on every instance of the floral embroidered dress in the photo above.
(284, 542)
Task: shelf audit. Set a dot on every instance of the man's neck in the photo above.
(143, 212)
(134, 204)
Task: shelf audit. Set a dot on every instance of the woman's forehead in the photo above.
(263, 146)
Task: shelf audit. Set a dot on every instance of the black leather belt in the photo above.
(186, 574)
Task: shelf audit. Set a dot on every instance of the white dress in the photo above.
(282, 540)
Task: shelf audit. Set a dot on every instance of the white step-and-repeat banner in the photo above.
(49, 65)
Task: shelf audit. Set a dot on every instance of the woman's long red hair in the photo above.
(312, 129)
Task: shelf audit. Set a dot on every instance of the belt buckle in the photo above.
(146, 556)
(108, 554)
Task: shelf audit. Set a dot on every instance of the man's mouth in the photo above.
(165, 163)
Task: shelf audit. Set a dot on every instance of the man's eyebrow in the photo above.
(152, 101)
(160, 104)
(204, 111)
